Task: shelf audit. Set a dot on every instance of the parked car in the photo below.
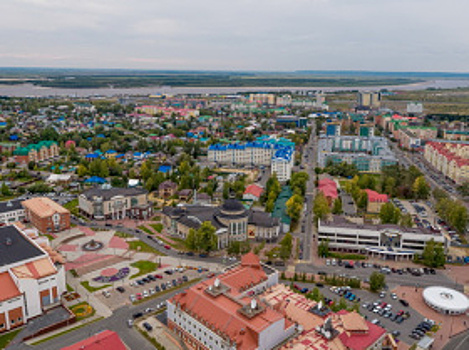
(120, 289)
(147, 326)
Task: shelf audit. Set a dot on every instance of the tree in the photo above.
(420, 188)
(323, 248)
(191, 240)
(406, 220)
(377, 281)
(238, 247)
(321, 206)
(464, 189)
(294, 207)
(207, 239)
(286, 246)
(389, 214)
(337, 206)
(5, 190)
(362, 201)
(433, 254)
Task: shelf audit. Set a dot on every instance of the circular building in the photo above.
(445, 300)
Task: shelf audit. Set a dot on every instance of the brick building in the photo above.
(46, 215)
(36, 152)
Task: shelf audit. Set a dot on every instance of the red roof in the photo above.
(104, 340)
(362, 341)
(376, 197)
(328, 187)
(255, 190)
(9, 289)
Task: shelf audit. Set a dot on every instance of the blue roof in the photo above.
(111, 151)
(96, 180)
(92, 155)
(101, 136)
(164, 168)
(13, 137)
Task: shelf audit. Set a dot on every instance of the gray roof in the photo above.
(8, 206)
(108, 193)
(260, 218)
(15, 247)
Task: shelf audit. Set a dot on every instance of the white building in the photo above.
(31, 279)
(414, 107)
(384, 241)
(11, 211)
(280, 156)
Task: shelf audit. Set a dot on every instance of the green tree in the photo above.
(191, 240)
(433, 254)
(323, 248)
(321, 206)
(377, 281)
(362, 201)
(294, 207)
(389, 214)
(406, 220)
(5, 190)
(420, 188)
(464, 189)
(207, 239)
(337, 206)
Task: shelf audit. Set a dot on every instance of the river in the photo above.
(29, 90)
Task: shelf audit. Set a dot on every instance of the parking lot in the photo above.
(147, 286)
(365, 298)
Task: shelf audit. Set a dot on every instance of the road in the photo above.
(460, 342)
(117, 323)
(307, 227)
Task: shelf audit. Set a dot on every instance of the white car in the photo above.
(132, 298)
(145, 294)
(151, 291)
(394, 296)
(328, 262)
(130, 323)
(106, 294)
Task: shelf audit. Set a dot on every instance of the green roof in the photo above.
(280, 208)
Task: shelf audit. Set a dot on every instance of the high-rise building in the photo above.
(369, 99)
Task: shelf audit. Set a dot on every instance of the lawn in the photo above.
(5, 339)
(69, 288)
(157, 227)
(146, 230)
(72, 206)
(91, 289)
(144, 267)
(122, 234)
(140, 246)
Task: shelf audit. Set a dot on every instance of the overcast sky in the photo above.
(385, 35)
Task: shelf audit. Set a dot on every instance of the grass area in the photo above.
(69, 288)
(157, 218)
(178, 243)
(146, 230)
(157, 227)
(66, 331)
(49, 237)
(6, 338)
(91, 289)
(122, 234)
(346, 256)
(156, 295)
(144, 267)
(82, 310)
(140, 246)
(72, 206)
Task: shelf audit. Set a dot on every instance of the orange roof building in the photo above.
(223, 312)
(46, 215)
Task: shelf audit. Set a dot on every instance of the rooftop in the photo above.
(44, 207)
(16, 247)
(104, 340)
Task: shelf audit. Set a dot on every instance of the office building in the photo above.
(108, 203)
(384, 241)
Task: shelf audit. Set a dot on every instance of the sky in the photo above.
(268, 35)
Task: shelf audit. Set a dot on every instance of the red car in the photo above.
(139, 296)
(158, 276)
(167, 247)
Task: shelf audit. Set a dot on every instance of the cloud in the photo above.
(241, 34)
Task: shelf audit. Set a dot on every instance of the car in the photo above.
(375, 321)
(393, 296)
(130, 323)
(399, 320)
(145, 294)
(137, 315)
(106, 294)
(163, 286)
(158, 276)
(190, 254)
(404, 302)
(319, 285)
(139, 296)
(149, 310)
(151, 278)
(120, 289)
(184, 278)
(145, 280)
(151, 291)
(167, 247)
(211, 274)
(382, 294)
(132, 298)
(168, 272)
(157, 289)
(203, 255)
(147, 326)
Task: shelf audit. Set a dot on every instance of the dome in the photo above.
(232, 206)
(446, 300)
